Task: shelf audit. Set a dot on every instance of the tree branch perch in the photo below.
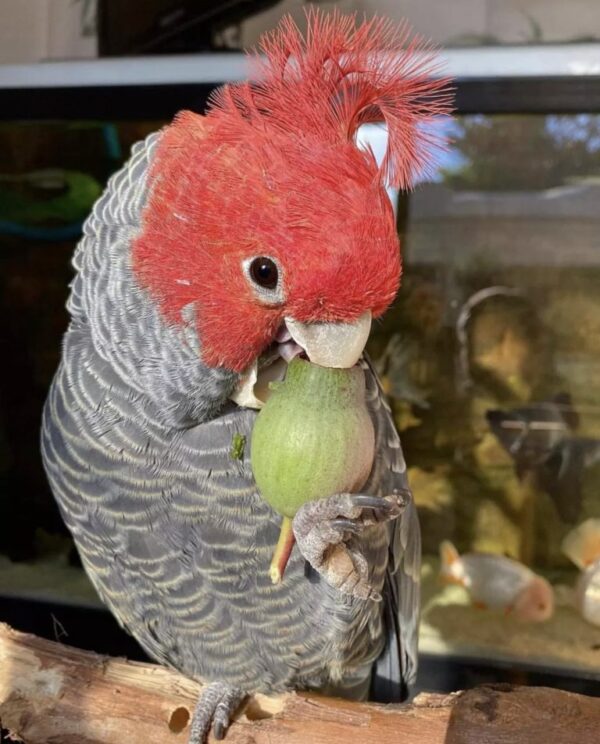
(55, 694)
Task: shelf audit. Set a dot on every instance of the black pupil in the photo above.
(264, 272)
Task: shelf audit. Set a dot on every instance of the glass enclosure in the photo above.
(50, 175)
(490, 357)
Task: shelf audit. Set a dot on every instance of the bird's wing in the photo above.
(170, 531)
(169, 525)
(396, 668)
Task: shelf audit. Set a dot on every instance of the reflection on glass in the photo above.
(491, 359)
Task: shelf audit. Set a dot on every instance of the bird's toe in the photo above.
(215, 707)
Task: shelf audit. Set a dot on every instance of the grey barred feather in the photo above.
(397, 666)
(136, 442)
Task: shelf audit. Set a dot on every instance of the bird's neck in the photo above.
(155, 360)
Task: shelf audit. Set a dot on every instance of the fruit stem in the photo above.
(283, 550)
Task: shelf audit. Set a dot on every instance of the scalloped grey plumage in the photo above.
(136, 442)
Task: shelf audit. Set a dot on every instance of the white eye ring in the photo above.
(265, 276)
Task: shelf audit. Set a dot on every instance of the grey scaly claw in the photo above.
(382, 508)
(346, 525)
(363, 499)
(215, 707)
(328, 534)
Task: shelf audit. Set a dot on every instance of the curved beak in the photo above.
(327, 344)
(332, 344)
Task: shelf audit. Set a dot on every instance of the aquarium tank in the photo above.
(489, 357)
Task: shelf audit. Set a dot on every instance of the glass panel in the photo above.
(491, 359)
(50, 175)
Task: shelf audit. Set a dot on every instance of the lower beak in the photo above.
(332, 344)
(326, 344)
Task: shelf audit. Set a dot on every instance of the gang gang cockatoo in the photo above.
(227, 244)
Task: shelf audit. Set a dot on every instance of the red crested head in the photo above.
(266, 209)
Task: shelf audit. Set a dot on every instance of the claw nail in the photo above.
(218, 730)
(346, 525)
(370, 502)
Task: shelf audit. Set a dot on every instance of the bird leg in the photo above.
(216, 705)
(327, 532)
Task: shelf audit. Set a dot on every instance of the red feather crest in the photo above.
(339, 76)
(273, 170)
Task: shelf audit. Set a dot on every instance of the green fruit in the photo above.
(313, 438)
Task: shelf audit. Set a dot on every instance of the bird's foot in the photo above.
(215, 707)
(327, 532)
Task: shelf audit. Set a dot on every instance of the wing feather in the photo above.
(396, 668)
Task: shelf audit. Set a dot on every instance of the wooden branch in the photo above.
(55, 694)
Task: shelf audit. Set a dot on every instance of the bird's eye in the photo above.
(263, 272)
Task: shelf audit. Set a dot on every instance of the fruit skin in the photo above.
(313, 438)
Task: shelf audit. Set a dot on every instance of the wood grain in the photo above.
(55, 694)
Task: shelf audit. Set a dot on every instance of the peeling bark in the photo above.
(55, 694)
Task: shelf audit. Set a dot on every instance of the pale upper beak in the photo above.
(337, 345)
(332, 344)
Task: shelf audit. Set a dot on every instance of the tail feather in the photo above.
(387, 683)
